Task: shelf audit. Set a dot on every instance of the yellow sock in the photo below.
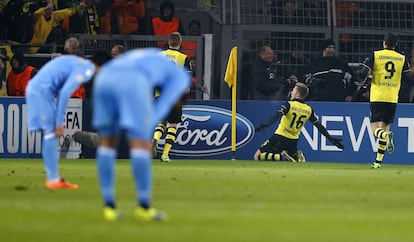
(267, 156)
(382, 146)
(380, 133)
(166, 151)
(169, 140)
(159, 131)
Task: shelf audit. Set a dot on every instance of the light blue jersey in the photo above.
(48, 93)
(123, 92)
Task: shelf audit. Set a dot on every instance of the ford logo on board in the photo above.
(206, 130)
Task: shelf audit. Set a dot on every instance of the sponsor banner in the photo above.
(17, 142)
(205, 132)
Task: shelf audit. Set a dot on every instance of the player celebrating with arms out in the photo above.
(282, 146)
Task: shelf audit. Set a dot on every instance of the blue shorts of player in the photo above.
(123, 101)
(41, 110)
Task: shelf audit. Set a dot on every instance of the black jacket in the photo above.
(329, 79)
(265, 80)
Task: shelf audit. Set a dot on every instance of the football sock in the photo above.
(50, 156)
(159, 130)
(169, 140)
(267, 156)
(142, 173)
(105, 158)
(382, 146)
(380, 133)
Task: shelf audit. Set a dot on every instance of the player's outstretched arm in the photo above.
(335, 141)
(271, 121)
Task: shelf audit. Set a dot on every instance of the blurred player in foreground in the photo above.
(123, 100)
(282, 146)
(47, 96)
(388, 68)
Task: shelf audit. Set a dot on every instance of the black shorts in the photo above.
(382, 111)
(175, 114)
(278, 143)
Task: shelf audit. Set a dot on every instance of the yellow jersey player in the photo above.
(388, 67)
(174, 117)
(282, 145)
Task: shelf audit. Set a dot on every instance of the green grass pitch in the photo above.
(211, 200)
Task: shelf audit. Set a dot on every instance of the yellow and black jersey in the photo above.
(295, 113)
(178, 57)
(387, 67)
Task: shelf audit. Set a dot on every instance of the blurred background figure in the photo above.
(265, 75)
(189, 48)
(125, 17)
(17, 21)
(296, 59)
(87, 19)
(117, 50)
(44, 18)
(329, 78)
(19, 76)
(3, 72)
(72, 46)
(166, 23)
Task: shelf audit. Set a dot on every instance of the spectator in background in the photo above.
(3, 4)
(117, 50)
(344, 15)
(3, 32)
(189, 48)
(57, 34)
(85, 21)
(296, 59)
(166, 23)
(265, 76)
(3, 69)
(72, 47)
(287, 12)
(328, 77)
(128, 16)
(19, 76)
(314, 12)
(17, 20)
(43, 23)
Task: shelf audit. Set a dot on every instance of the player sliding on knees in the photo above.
(282, 145)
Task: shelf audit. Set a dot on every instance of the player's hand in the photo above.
(337, 143)
(59, 130)
(260, 128)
